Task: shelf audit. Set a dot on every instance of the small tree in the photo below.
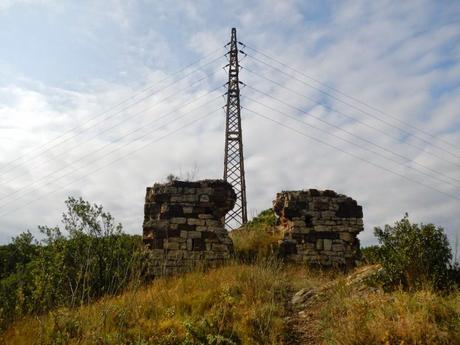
(414, 255)
(94, 259)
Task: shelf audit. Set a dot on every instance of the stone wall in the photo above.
(320, 227)
(183, 225)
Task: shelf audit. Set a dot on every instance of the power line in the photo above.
(114, 107)
(114, 161)
(130, 117)
(37, 183)
(352, 154)
(359, 109)
(406, 159)
(348, 141)
(353, 118)
(408, 124)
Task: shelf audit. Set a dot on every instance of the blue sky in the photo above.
(64, 62)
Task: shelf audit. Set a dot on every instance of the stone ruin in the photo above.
(183, 225)
(319, 227)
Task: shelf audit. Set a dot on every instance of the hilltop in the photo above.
(250, 304)
(91, 287)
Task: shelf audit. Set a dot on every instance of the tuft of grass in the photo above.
(236, 304)
(255, 242)
(400, 317)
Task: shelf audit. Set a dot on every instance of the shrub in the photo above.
(371, 254)
(264, 218)
(94, 259)
(414, 255)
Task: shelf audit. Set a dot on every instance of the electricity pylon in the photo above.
(234, 161)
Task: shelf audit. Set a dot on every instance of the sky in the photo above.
(101, 99)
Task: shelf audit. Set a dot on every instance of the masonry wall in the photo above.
(320, 227)
(183, 225)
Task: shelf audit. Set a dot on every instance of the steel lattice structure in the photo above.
(234, 161)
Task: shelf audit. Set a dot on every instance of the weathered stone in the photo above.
(327, 244)
(319, 227)
(346, 236)
(171, 245)
(178, 220)
(319, 244)
(195, 221)
(205, 216)
(194, 234)
(213, 222)
(204, 198)
(183, 226)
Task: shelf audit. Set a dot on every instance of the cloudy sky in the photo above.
(100, 99)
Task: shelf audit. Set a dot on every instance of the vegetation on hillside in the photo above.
(237, 304)
(86, 287)
(94, 258)
(414, 256)
(355, 315)
(258, 239)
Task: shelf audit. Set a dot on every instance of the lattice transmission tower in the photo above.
(234, 161)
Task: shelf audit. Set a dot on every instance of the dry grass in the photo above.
(256, 242)
(424, 317)
(246, 304)
(238, 304)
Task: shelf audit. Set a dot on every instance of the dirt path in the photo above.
(300, 323)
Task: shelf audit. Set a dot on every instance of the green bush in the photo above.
(414, 255)
(371, 254)
(94, 258)
(264, 218)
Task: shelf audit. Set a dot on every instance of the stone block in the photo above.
(214, 223)
(346, 236)
(178, 220)
(188, 209)
(327, 244)
(171, 245)
(195, 221)
(194, 234)
(204, 198)
(205, 216)
(338, 247)
(319, 244)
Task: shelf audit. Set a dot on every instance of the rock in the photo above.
(364, 275)
(302, 296)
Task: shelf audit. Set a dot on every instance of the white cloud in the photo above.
(6, 4)
(388, 54)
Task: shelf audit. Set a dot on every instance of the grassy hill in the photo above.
(249, 304)
(57, 293)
